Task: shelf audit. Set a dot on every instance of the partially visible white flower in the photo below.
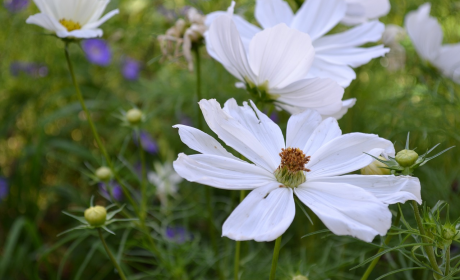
(184, 34)
(396, 58)
(310, 164)
(393, 34)
(275, 64)
(360, 11)
(336, 54)
(72, 18)
(166, 180)
(426, 35)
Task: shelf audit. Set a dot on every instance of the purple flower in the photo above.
(177, 234)
(148, 144)
(273, 116)
(131, 69)
(15, 6)
(97, 51)
(3, 188)
(117, 192)
(35, 70)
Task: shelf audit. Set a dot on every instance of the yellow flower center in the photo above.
(290, 173)
(70, 25)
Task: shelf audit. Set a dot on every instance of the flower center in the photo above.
(70, 25)
(290, 173)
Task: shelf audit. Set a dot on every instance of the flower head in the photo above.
(360, 11)
(148, 144)
(15, 6)
(272, 75)
(97, 51)
(112, 187)
(426, 35)
(177, 234)
(355, 205)
(166, 180)
(131, 69)
(4, 188)
(72, 18)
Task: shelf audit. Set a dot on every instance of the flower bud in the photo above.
(96, 216)
(449, 233)
(134, 116)
(406, 158)
(375, 168)
(299, 277)
(104, 173)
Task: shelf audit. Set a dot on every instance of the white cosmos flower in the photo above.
(355, 205)
(360, 11)
(336, 53)
(426, 35)
(165, 179)
(72, 18)
(276, 63)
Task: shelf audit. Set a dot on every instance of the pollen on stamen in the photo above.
(294, 159)
(70, 25)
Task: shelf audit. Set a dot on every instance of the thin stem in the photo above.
(120, 272)
(446, 272)
(93, 127)
(428, 248)
(238, 246)
(276, 253)
(196, 51)
(143, 210)
(376, 260)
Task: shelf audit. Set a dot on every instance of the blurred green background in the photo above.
(45, 142)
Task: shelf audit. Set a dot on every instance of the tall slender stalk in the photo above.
(143, 209)
(120, 272)
(428, 249)
(236, 265)
(93, 127)
(446, 272)
(387, 240)
(276, 253)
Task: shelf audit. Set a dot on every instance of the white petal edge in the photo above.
(271, 12)
(346, 104)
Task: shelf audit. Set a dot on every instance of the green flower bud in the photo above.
(96, 215)
(104, 173)
(375, 168)
(299, 277)
(134, 116)
(449, 233)
(406, 158)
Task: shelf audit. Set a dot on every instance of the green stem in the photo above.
(428, 248)
(196, 51)
(276, 253)
(446, 272)
(120, 272)
(387, 240)
(143, 211)
(238, 246)
(93, 127)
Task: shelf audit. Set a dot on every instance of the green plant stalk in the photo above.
(143, 209)
(120, 272)
(376, 260)
(236, 265)
(428, 249)
(276, 253)
(446, 272)
(93, 127)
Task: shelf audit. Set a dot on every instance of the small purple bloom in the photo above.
(4, 188)
(117, 192)
(131, 69)
(15, 6)
(35, 70)
(148, 144)
(177, 234)
(97, 51)
(273, 116)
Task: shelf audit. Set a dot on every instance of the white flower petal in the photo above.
(237, 135)
(264, 215)
(354, 57)
(317, 17)
(326, 131)
(346, 209)
(80, 33)
(345, 154)
(280, 55)
(271, 12)
(201, 142)
(227, 48)
(346, 104)
(389, 189)
(425, 32)
(300, 128)
(448, 61)
(99, 22)
(260, 125)
(221, 172)
(342, 74)
(357, 36)
(323, 95)
(46, 22)
(359, 11)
